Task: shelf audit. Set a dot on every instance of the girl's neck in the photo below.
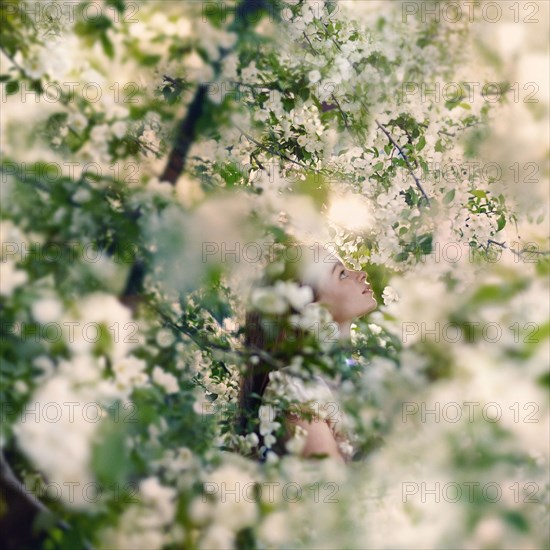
(344, 331)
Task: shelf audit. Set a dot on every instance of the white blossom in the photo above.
(160, 497)
(314, 76)
(268, 300)
(96, 315)
(233, 512)
(389, 295)
(164, 338)
(166, 380)
(47, 309)
(217, 537)
(297, 296)
(274, 529)
(130, 373)
(58, 438)
(119, 129)
(11, 277)
(77, 121)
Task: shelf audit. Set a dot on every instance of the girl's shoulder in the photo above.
(314, 397)
(287, 383)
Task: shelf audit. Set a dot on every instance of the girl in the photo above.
(346, 295)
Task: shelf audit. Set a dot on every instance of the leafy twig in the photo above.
(453, 134)
(344, 115)
(205, 344)
(517, 253)
(309, 42)
(271, 150)
(396, 145)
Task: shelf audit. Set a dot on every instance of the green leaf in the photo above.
(544, 380)
(424, 165)
(12, 87)
(117, 4)
(501, 222)
(543, 267)
(215, 14)
(517, 520)
(304, 93)
(496, 293)
(425, 243)
(108, 47)
(91, 28)
(449, 196)
(421, 143)
(479, 193)
(378, 166)
(149, 60)
(110, 457)
(401, 257)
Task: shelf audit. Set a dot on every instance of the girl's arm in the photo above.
(319, 439)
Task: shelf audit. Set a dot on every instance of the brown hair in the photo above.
(264, 341)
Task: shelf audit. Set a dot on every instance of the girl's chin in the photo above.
(373, 306)
(368, 309)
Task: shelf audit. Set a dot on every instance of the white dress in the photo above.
(315, 396)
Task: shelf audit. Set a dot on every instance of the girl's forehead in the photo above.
(333, 259)
(330, 264)
(318, 265)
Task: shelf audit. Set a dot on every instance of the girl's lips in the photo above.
(367, 290)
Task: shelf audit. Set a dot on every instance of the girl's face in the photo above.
(345, 292)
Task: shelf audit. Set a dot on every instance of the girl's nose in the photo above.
(362, 276)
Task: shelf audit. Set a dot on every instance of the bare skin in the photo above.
(347, 296)
(319, 439)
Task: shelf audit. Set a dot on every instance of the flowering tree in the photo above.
(159, 158)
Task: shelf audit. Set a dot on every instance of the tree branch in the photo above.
(185, 137)
(396, 145)
(23, 509)
(186, 134)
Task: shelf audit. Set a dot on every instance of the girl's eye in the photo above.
(343, 274)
